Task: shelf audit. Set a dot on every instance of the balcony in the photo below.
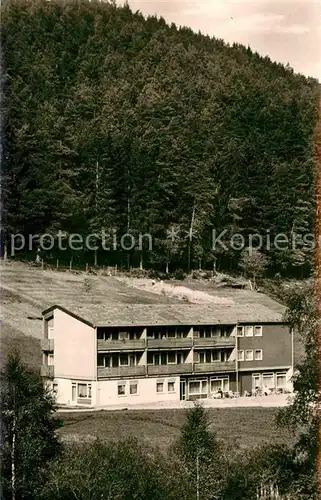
(47, 345)
(214, 342)
(47, 371)
(121, 371)
(170, 343)
(120, 345)
(218, 366)
(169, 369)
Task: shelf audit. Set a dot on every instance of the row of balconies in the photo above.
(169, 369)
(165, 343)
(144, 370)
(48, 345)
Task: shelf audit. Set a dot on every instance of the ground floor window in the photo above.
(281, 380)
(197, 387)
(133, 388)
(171, 386)
(160, 386)
(121, 389)
(261, 381)
(81, 391)
(268, 380)
(220, 384)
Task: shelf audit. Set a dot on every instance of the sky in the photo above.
(288, 31)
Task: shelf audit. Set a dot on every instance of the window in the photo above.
(224, 356)
(115, 360)
(150, 358)
(240, 355)
(171, 357)
(133, 388)
(258, 354)
(123, 360)
(101, 360)
(159, 386)
(194, 387)
(249, 331)
(224, 332)
(121, 389)
(257, 331)
(268, 380)
(240, 331)
(73, 392)
(256, 381)
(171, 386)
(219, 383)
(202, 357)
(84, 391)
(215, 355)
(179, 358)
(204, 386)
(281, 380)
(249, 355)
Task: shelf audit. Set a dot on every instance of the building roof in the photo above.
(175, 314)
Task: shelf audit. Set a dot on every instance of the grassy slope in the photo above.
(238, 428)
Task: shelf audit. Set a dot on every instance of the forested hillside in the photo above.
(117, 122)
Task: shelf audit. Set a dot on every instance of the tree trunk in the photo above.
(190, 238)
(141, 261)
(167, 268)
(197, 477)
(95, 257)
(13, 465)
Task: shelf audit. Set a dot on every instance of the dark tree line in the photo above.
(113, 121)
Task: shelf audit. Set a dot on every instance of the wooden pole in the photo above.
(86, 268)
(70, 264)
(57, 263)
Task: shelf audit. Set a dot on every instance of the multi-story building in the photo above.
(143, 354)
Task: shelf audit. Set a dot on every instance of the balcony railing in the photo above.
(170, 343)
(217, 366)
(47, 371)
(120, 345)
(121, 371)
(214, 342)
(47, 345)
(169, 369)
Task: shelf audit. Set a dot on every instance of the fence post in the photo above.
(70, 264)
(57, 263)
(86, 268)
